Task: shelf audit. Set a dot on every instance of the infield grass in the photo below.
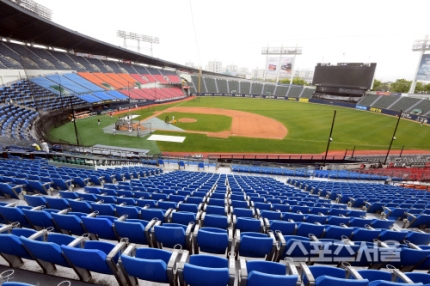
(204, 122)
(308, 129)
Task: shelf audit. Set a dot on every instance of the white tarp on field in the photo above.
(176, 139)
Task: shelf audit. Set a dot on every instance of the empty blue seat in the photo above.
(252, 244)
(130, 211)
(48, 251)
(184, 217)
(35, 201)
(286, 228)
(11, 247)
(136, 230)
(203, 269)
(11, 191)
(211, 220)
(363, 234)
(150, 213)
(70, 222)
(97, 256)
(212, 240)
(40, 218)
(80, 206)
(41, 187)
(418, 277)
(246, 224)
(57, 203)
(255, 273)
(171, 234)
(102, 226)
(419, 221)
(150, 264)
(243, 212)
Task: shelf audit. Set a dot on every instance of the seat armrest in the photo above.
(167, 214)
(413, 246)
(267, 224)
(292, 270)
(195, 233)
(6, 228)
(380, 243)
(243, 272)
(79, 240)
(307, 272)
(121, 246)
(352, 272)
(180, 268)
(399, 275)
(173, 260)
(188, 235)
(17, 186)
(43, 232)
(130, 250)
(258, 213)
(231, 271)
(65, 211)
(93, 214)
(12, 204)
(261, 224)
(282, 244)
(123, 218)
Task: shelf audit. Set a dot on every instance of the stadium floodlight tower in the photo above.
(284, 65)
(138, 38)
(423, 70)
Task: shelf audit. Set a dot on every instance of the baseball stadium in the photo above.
(121, 168)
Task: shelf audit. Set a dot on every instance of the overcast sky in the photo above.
(233, 31)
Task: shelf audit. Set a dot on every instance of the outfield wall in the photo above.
(413, 117)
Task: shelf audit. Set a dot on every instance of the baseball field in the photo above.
(248, 125)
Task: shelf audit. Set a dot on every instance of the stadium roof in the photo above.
(18, 23)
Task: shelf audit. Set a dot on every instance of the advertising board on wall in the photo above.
(424, 69)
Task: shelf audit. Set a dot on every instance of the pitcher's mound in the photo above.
(187, 120)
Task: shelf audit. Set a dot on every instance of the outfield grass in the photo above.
(90, 134)
(308, 129)
(205, 122)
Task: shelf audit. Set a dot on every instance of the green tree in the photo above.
(401, 85)
(427, 88)
(419, 87)
(296, 81)
(377, 84)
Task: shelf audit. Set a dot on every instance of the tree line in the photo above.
(401, 85)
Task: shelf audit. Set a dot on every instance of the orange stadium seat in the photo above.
(110, 80)
(120, 80)
(94, 79)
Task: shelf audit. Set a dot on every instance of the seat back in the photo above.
(246, 224)
(212, 240)
(69, 222)
(90, 259)
(255, 245)
(134, 230)
(206, 268)
(154, 270)
(170, 234)
(101, 226)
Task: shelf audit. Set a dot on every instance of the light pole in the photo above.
(330, 139)
(393, 137)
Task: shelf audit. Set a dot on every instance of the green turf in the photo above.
(90, 134)
(308, 129)
(205, 122)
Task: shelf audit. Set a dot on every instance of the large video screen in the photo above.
(345, 75)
